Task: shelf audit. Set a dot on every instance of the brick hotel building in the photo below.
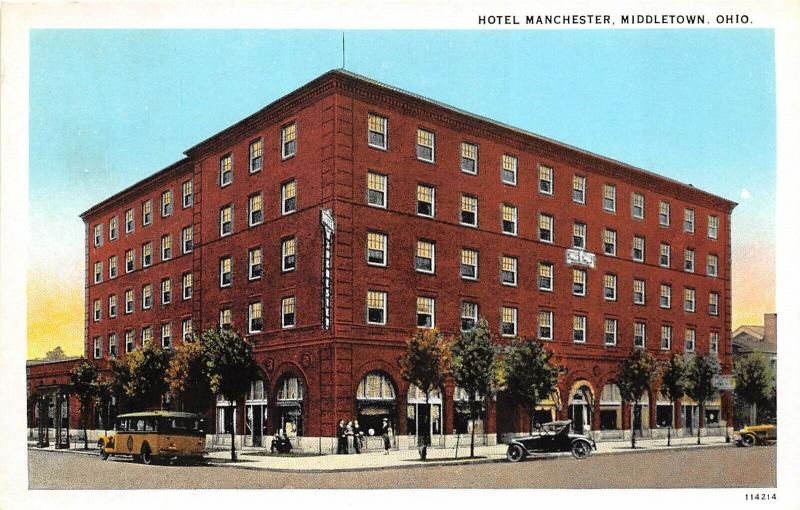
(441, 216)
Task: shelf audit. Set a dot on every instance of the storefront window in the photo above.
(610, 407)
(289, 407)
(424, 418)
(256, 407)
(375, 400)
(461, 419)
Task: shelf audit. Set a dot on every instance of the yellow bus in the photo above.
(156, 435)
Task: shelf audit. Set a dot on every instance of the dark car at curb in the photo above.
(551, 437)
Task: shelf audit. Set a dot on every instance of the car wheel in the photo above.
(748, 440)
(515, 453)
(580, 449)
(146, 457)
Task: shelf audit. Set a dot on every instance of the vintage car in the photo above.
(156, 435)
(756, 434)
(551, 437)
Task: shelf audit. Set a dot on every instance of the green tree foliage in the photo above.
(57, 354)
(188, 378)
(673, 382)
(754, 382)
(700, 372)
(146, 384)
(120, 376)
(84, 379)
(635, 376)
(474, 368)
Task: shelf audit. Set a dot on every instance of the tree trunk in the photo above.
(753, 413)
(700, 411)
(472, 432)
(633, 424)
(233, 433)
(85, 437)
(423, 439)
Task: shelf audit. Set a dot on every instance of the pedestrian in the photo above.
(350, 436)
(357, 436)
(386, 429)
(341, 438)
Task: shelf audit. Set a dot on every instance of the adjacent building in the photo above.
(748, 339)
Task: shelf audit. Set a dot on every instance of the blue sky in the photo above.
(109, 107)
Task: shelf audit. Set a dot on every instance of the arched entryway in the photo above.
(424, 418)
(376, 400)
(581, 406)
(610, 408)
(289, 405)
(256, 406)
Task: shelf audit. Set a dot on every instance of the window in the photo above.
(255, 210)
(129, 301)
(637, 251)
(289, 197)
(425, 200)
(579, 282)
(256, 155)
(225, 272)
(509, 219)
(609, 197)
(376, 189)
(579, 189)
(97, 310)
(713, 342)
(688, 220)
(147, 335)
(469, 210)
(713, 227)
(225, 170)
(579, 235)
(579, 329)
(98, 235)
(289, 141)
(508, 270)
(112, 266)
(376, 307)
(129, 341)
(147, 212)
(289, 254)
(666, 296)
(113, 228)
(508, 170)
(254, 267)
(377, 131)
(545, 276)
(98, 347)
(147, 296)
(469, 315)
(469, 264)
(664, 255)
(129, 223)
(545, 325)
(713, 303)
(288, 312)
(637, 206)
(226, 220)
(688, 264)
(638, 292)
(166, 291)
(186, 329)
(166, 203)
(98, 272)
(711, 265)
(255, 323)
(663, 214)
(147, 254)
(469, 158)
(426, 141)
(166, 247)
(426, 308)
(610, 242)
(610, 337)
(545, 180)
(639, 334)
(689, 299)
(186, 283)
(376, 249)
(130, 257)
(424, 259)
(666, 337)
(546, 228)
(166, 335)
(610, 287)
(187, 192)
(689, 340)
(112, 306)
(187, 239)
(508, 321)
(225, 318)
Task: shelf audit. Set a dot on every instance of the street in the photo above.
(710, 467)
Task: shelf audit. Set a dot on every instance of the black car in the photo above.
(551, 437)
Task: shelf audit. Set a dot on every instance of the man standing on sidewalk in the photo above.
(385, 431)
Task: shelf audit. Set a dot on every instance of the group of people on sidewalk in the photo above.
(350, 437)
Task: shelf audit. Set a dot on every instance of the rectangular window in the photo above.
(639, 334)
(637, 250)
(112, 306)
(713, 227)
(609, 197)
(689, 341)
(376, 307)
(469, 264)
(166, 247)
(545, 180)
(289, 254)
(610, 242)
(226, 220)
(225, 272)
(426, 200)
(376, 248)
(225, 170)
(129, 223)
(426, 145)
(255, 323)
(97, 310)
(469, 315)
(98, 235)
(637, 206)
(546, 228)
(255, 209)
(424, 258)
(688, 264)
(186, 329)
(579, 235)
(289, 197)
(147, 296)
(579, 189)
(376, 190)
(579, 329)
(713, 303)
(689, 300)
(129, 341)
(508, 170)
(509, 219)
(638, 292)
(187, 192)
(98, 272)
(664, 255)
(129, 305)
(666, 296)
(256, 155)
(147, 254)
(130, 261)
(112, 266)
(610, 287)
(113, 228)
(147, 212)
(469, 158)
(186, 283)
(508, 270)
(713, 342)
(166, 203)
(666, 337)
(147, 335)
(225, 318)
(508, 321)
(469, 210)
(688, 220)
(712, 265)
(545, 325)
(610, 337)
(166, 291)
(98, 347)
(288, 312)
(426, 310)
(166, 335)
(663, 214)
(289, 141)
(579, 282)
(545, 276)
(377, 131)
(187, 239)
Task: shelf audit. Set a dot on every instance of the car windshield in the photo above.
(555, 427)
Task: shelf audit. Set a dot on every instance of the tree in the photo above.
(673, 382)
(426, 364)
(84, 378)
(187, 376)
(146, 385)
(754, 381)
(473, 368)
(700, 373)
(528, 373)
(120, 376)
(57, 354)
(230, 367)
(634, 377)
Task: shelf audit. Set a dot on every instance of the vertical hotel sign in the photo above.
(328, 224)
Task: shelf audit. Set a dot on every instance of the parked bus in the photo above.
(156, 435)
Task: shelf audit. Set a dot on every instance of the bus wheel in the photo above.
(146, 456)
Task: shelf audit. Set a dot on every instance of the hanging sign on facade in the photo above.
(328, 224)
(580, 258)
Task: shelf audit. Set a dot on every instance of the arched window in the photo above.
(290, 388)
(375, 386)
